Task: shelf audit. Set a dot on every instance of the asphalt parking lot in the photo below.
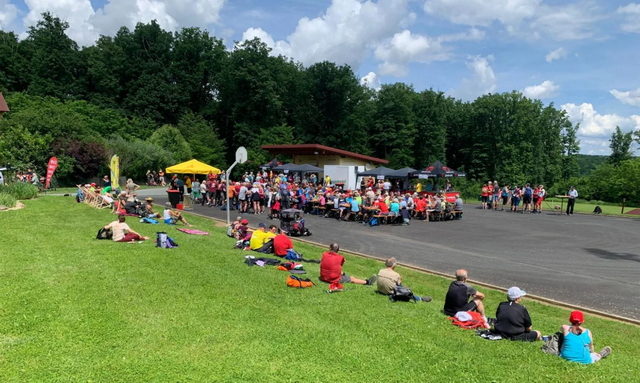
(586, 260)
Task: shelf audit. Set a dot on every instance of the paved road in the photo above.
(586, 260)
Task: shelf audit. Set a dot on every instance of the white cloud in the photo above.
(8, 13)
(277, 48)
(524, 18)
(631, 97)
(371, 80)
(86, 24)
(631, 13)
(593, 124)
(346, 32)
(482, 80)
(76, 12)
(545, 90)
(405, 47)
(558, 54)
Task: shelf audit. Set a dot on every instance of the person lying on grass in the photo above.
(331, 269)
(462, 297)
(172, 216)
(578, 342)
(513, 320)
(122, 232)
(388, 278)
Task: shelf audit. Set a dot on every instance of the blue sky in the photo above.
(580, 55)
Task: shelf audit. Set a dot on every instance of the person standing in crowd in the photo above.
(196, 190)
(484, 195)
(106, 182)
(571, 202)
(542, 194)
(506, 196)
(161, 178)
(577, 345)
(131, 187)
(515, 198)
(490, 189)
(496, 195)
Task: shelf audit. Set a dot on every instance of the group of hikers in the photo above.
(493, 197)
(512, 320)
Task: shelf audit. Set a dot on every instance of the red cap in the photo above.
(244, 222)
(93, 184)
(577, 317)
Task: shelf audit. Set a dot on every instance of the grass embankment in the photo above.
(78, 309)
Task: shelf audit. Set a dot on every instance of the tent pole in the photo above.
(227, 191)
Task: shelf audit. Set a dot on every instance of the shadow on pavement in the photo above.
(605, 254)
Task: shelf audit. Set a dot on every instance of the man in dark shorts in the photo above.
(462, 297)
(331, 269)
(513, 320)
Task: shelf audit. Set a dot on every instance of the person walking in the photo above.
(571, 202)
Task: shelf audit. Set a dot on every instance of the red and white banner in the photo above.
(53, 164)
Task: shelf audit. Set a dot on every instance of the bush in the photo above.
(20, 190)
(7, 200)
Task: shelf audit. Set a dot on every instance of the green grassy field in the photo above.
(73, 190)
(75, 309)
(582, 207)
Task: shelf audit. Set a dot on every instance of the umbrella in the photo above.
(402, 173)
(193, 167)
(437, 169)
(381, 171)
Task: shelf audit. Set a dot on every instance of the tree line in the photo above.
(155, 97)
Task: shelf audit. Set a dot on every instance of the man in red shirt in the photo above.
(282, 243)
(331, 269)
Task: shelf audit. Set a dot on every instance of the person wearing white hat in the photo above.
(513, 320)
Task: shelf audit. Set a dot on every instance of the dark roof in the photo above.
(3, 104)
(307, 149)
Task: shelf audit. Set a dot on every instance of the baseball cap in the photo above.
(262, 224)
(515, 293)
(93, 184)
(244, 222)
(576, 317)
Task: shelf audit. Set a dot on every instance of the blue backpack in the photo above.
(373, 221)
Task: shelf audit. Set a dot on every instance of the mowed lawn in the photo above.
(76, 309)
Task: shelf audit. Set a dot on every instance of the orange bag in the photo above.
(301, 283)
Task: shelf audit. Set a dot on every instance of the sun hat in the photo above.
(576, 317)
(244, 222)
(149, 199)
(514, 293)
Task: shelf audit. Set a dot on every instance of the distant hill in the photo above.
(589, 162)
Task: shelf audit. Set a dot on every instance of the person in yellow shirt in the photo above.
(419, 187)
(261, 236)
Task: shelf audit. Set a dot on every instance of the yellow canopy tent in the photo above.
(192, 167)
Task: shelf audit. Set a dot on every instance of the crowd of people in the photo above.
(509, 197)
(268, 193)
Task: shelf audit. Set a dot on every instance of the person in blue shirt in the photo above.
(527, 196)
(578, 342)
(394, 208)
(354, 209)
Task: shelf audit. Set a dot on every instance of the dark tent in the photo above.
(272, 164)
(381, 171)
(304, 168)
(402, 173)
(437, 169)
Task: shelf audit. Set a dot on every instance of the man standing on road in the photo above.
(573, 194)
(457, 298)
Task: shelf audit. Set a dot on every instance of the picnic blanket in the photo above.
(193, 231)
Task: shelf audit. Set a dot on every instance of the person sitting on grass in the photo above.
(122, 232)
(331, 269)
(578, 342)
(282, 244)
(388, 278)
(261, 236)
(171, 216)
(149, 209)
(458, 295)
(512, 319)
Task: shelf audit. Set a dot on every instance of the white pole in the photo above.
(227, 192)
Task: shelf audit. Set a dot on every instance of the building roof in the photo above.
(310, 149)
(3, 104)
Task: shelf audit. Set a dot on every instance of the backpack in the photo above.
(164, 241)
(300, 283)
(597, 210)
(401, 294)
(292, 255)
(230, 231)
(104, 233)
(373, 221)
(553, 344)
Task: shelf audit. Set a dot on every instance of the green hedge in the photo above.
(7, 200)
(20, 190)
